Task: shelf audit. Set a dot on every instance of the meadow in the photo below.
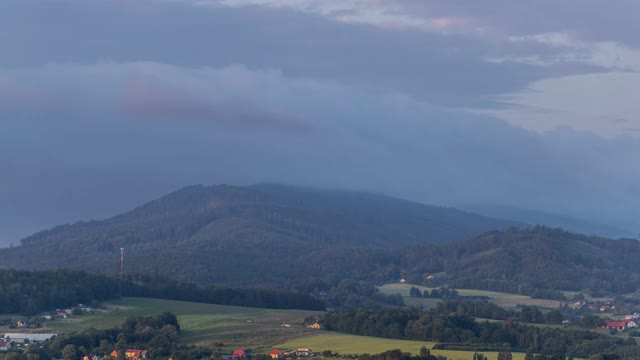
(506, 300)
(231, 327)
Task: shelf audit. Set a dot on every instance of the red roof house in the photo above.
(238, 354)
(617, 324)
(275, 354)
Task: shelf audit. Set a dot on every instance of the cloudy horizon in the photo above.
(107, 104)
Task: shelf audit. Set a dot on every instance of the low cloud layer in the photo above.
(106, 104)
(99, 157)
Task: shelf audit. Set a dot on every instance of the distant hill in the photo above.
(261, 235)
(534, 217)
(525, 261)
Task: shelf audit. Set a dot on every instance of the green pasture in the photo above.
(246, 328)
(346, 344)
(506, 300)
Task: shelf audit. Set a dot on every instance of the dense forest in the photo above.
(453, 327)
(311, 241)
(262, 235)
(28, 293)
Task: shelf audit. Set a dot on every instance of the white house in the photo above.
(632, 324)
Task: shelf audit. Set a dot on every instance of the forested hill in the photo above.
(526, 260)
(256, 235)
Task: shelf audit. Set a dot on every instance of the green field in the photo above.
(506, 300)
(346, 344)
(247, 328)
(202, 324)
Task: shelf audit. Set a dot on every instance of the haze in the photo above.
(107, 104)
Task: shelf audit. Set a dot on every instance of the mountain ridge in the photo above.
(211, 229)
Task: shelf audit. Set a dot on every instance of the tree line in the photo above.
(451, 324)
(32, 292)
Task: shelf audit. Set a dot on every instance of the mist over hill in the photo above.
(255, 235)
(310, 240)
(535, 217)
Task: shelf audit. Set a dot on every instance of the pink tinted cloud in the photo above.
(443, 23)
(145, 99)
(142, 98)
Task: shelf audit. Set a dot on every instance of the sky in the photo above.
(106, 104)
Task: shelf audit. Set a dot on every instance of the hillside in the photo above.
(534, 217)
(521, 261)
(255, 236)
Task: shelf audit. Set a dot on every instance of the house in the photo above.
(238, 354)
(632, 316)
(632, 324)
(131, 354)
(5, 345)
(304, 352)
(276, 354)
(47, 317)
(402, 281)
(616, 324)
(135, 354)
(21, 323)
(313, 326)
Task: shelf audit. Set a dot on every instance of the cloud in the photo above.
(385, 14)
(143, 90)
(99, 158)
(106, 104)
(427, 65)
(609, 55)
(602, 103)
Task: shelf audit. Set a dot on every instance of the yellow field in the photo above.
(353, 344)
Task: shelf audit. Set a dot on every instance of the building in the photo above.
(616, 324)
(304, 352)
(19, 338)
(314, 326)
(135, 354)
(276, 354)
(131, 354)
(238, 354)
(5, 345)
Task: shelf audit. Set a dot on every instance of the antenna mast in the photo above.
(122, 262)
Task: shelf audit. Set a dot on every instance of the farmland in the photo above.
(248, 328)
(508, 301)
(202, 324)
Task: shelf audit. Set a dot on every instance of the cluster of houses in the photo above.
(300, 352)
(63, 314)
(621, 324)
(130, 354)
(629, 322)
(239, 354)
(592, 306)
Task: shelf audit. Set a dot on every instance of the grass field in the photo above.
(352, 344)
(509, 301)
(202, 324)
(245, 328)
